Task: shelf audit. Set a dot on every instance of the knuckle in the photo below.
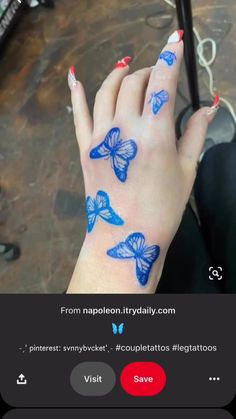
(158, 75)
(143, 73)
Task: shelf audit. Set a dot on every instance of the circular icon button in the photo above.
(143, 379)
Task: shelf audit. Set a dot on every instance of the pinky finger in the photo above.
(191, 143)
(82, 117)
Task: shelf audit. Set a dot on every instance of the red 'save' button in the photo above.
(143, 379)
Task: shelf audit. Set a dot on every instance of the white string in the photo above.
(206, 64)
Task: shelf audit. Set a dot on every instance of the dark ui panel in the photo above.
(108, 414)
(108, 352)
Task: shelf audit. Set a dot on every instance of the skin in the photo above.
(160, 178)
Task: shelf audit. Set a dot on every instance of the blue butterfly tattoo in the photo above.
(169, 57)
(158, 100)
(119, 152)
(100, 207)
(134, 248)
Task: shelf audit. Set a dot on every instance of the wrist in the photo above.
(97, 272)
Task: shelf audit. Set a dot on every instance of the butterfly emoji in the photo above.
(158, 100)
(169, 57)
(117, 329)
(100, 207)
(134, 248)
(119, 152)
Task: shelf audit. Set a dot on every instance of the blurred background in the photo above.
(41, 184)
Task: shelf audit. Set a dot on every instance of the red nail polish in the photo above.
(181, 33)
(124, 62)
(216, 101)
(72, 78)
(72, 70)
(215, 106)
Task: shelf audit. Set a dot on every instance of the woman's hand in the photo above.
(137, 177)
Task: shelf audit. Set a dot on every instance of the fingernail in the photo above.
(215, 105)
(72, 82)
(123, 63)
(176, 36)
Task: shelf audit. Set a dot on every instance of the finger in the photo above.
(131, 95)
(82, 117)
(105, 101)
(191, 143)
(161, 90)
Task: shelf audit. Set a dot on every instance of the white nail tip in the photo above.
(212, 110)
(173, 38)
(71, 80)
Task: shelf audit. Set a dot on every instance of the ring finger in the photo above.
(161, 90)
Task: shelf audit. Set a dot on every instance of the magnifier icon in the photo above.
(215, 273)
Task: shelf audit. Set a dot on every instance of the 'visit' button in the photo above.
(143, 379)
(93, 379)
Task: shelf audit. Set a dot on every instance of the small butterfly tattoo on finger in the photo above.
(118, 151)
(169, 57)
(158, 100)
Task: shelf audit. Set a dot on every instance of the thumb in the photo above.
(191, 143)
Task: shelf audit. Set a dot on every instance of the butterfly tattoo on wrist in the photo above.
(118, 151)
(134, 247)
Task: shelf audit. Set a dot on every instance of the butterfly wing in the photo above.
(121, 328)
(120, 166)
(91, 214)
(159, 99)
(169, 57)
(121, 251)
(109, 215)
(143, 269)
(114, 328)
(103, 150)
(102, 200)
(91, 220)
(105, 210)
(112, 138)
(135, 242)
(126, 151)
(144, 263)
